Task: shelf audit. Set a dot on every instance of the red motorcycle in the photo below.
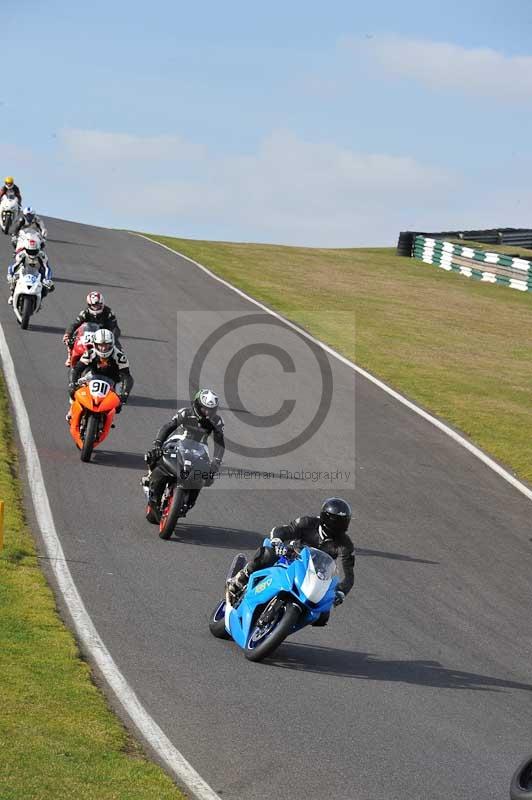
(84, 336)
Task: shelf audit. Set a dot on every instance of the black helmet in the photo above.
(335, 516)
(205, 403)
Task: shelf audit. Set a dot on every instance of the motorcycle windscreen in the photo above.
(318, 576)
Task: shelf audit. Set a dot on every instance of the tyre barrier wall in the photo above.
(517, 237)
(480, 264)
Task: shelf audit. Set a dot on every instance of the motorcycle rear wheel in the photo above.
(151, 514)
(169, 519)
(277, 634)
(27, 309)
(91, 430)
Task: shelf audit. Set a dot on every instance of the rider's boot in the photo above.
(236, 585)
(68, 416)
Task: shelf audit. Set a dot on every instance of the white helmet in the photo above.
(32, 247)
(29, 214)
(104, 342)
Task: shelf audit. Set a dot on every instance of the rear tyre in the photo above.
(521, 785)
(27, 308)
(151, 515)
(263, 641)
(170, 515)
(91, 430)
(217, 622)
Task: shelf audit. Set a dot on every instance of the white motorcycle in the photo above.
(27, 296)
(9, 209)
(19, 242)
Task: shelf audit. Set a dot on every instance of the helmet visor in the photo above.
(103, 349)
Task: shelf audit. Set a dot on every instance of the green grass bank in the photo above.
(460, 348)
(58, 738)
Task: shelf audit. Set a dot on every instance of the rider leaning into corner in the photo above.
(328, 532)
(197, 421)
(102, 357)
(31, 255)
(95, 311)
(10, 186)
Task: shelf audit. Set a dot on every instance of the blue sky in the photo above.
(300, 122)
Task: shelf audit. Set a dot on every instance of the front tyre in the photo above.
(521, 785)
(217, 622)
(26, 312)
(91, 431)
(264, 639)
(170, 513)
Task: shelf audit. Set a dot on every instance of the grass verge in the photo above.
(58, 738)
(458, 347)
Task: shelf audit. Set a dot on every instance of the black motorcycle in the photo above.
(187, 464)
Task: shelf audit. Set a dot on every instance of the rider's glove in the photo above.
(339, 598)
(280, 548)
(66, 339)
(153, 455)
(72, 388)
(48, 283)
(14, 240)
(124, 398)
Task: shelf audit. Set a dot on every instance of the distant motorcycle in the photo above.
(187, 464)
(9, 209)
(277, 601)
(27, 294)
(93, 411)
(18, 241)
(521, 785)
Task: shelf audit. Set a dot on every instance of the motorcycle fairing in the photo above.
(286, 579)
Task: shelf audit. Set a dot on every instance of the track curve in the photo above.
(419, 687)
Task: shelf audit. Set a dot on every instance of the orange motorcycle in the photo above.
(93, 411)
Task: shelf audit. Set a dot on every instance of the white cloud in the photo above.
(289, 190)
(89, 146)
(440, 65)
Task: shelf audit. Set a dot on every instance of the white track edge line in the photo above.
(457, 437)
(85, 629)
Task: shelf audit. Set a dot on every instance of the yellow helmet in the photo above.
(9, 181)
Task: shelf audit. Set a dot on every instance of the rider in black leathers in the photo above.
(198, 421)
(95, 311)
(327, 532)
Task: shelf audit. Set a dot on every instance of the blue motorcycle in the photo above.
(277, 601)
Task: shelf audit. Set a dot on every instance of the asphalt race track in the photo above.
(420, 687)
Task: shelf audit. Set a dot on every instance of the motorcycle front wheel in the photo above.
(170, 513)
(27, 310)
(521, 785)
(91, 431)
(217, 622)
(265, 638)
